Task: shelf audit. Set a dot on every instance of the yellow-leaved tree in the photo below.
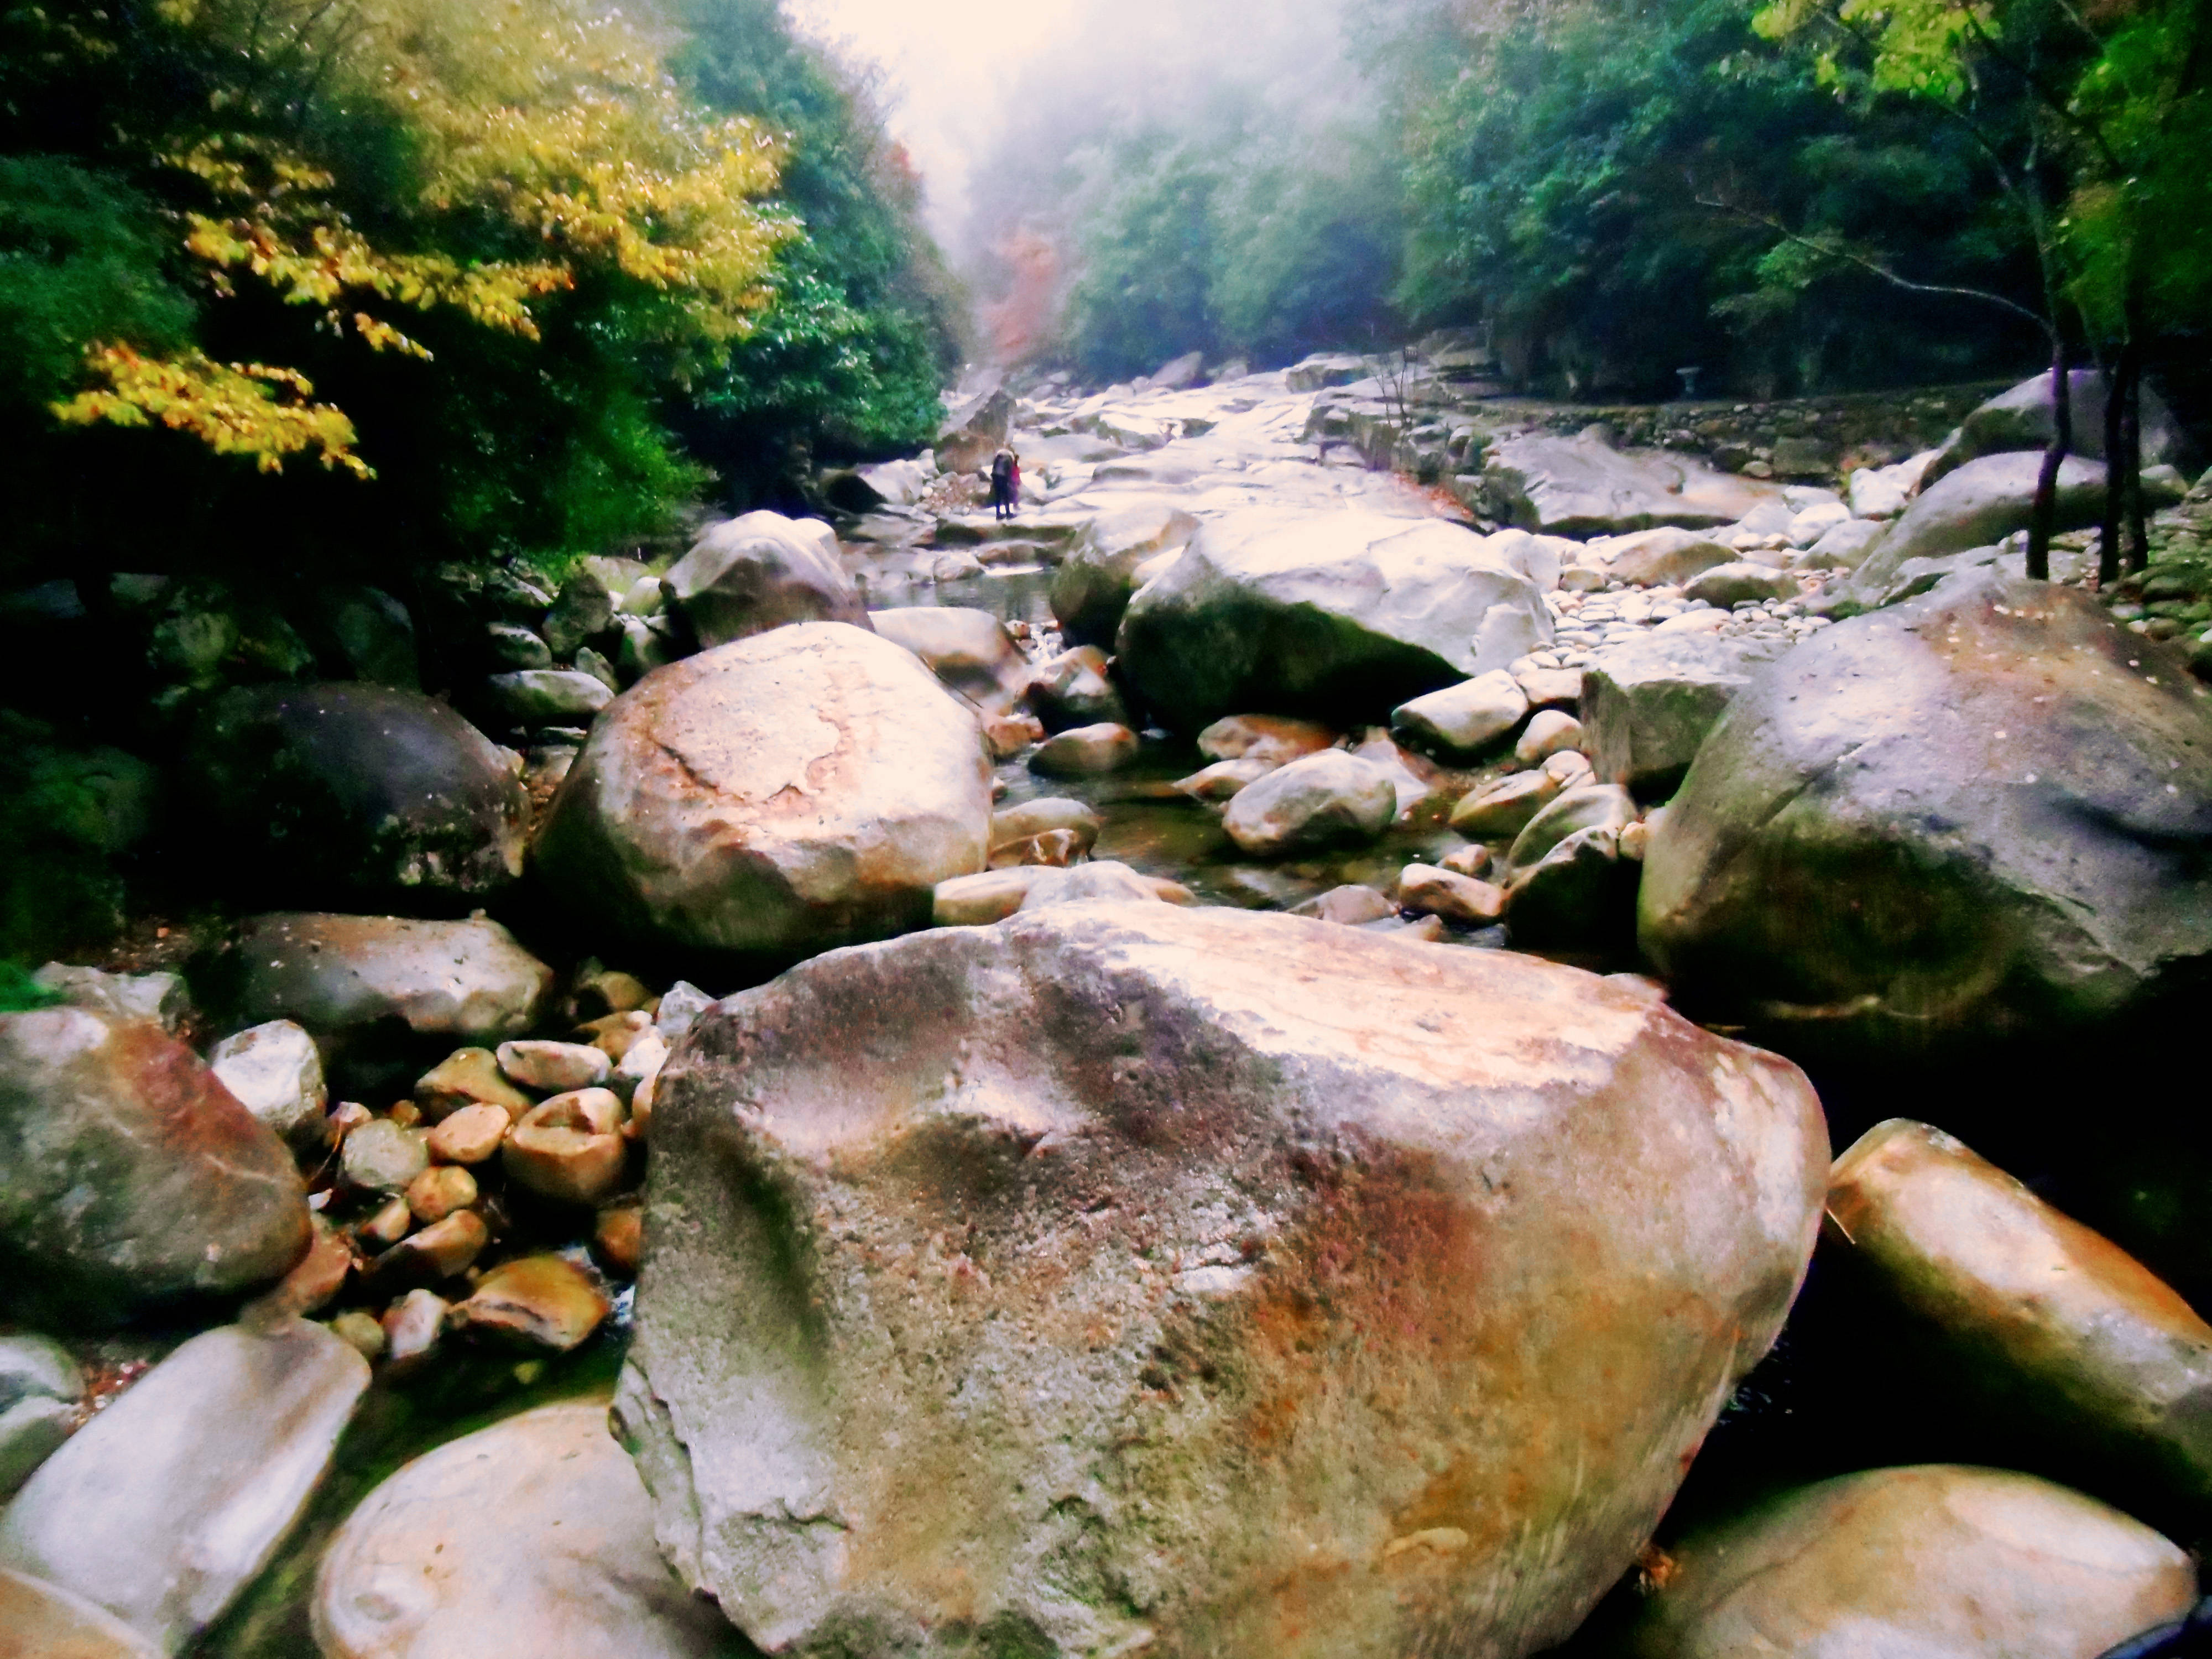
(538, 144)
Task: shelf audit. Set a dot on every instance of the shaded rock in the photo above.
(680, 1003)
(160, 997)
(438, 1192)
(584, 610)
(1503, 811)
(1981, 503)
(1664, 557)
(2079, 1351)
(1266, 737)
(1106, 879)
(1462, 720)
(528, 1539)
(747, 576)
(512, 647)
(970, 650)
(353, 794)
(274, 1071)
(1649, 703)
(444, 1249)
(1320, 800)
(1731, 584)
(170, 1501)
(1209, 1304)
(781, 795)
(1984, 815)
(1224, 779)
(618, 1239)
(1586, 807)
(312, 1285)
(31, 1429)
(1579, 894)
(1550, 732)
(1347, 907)
(413, 1326)
(1345, 615)
(1072, 690)
(464, 980)
(1427, 891)
(129, 1177)
(383, 1156)
(1578, 487)
(543, 1300)
(1098, 575)
(548, 696)
(1939, 1561)
(2022, 419)
(38, 1621)
(1085, 751)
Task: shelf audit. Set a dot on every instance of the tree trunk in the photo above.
(2131, 466)
(2046, 485)
(2116, 494)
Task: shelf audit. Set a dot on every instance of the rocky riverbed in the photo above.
(1244, 1062)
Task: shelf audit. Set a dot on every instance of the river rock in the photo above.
(1664, 557)
(1579, 894)
(2023, 419)
(1847, 546)
(353, 794)
(381, 1156)
(1981, 503)
(1098, 577)
(1340, 615)
(1085, 751)
(2078, 1348)
(1728, 586)
(970, 651)
(544, 1301)
(1321, 800)
(547, 696)
(1097, 1248)
(38, 1621)
(39, 1388)
(1223, 780)
(538, 1063)
(1106, 879)
(791, 792)
(274, 1071)
(1580, 487)
(1349, 906)
(570, 1148)
(162, 997)
(1647, 704)
(1029, 820)
(1462, 720)
(526, 1540)
(1427, 891)
(974, 430)
(1553, 732)
(744, 576)
(980, 900)
(1982, 816)
(1938, 1561)
(467, 1078)
(1582, 806)
(459, 980)
(1072, 690)
(169, 1501)
(129, 1177)
(1503, 811)
(1264, 737)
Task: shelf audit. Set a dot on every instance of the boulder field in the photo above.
(1126, 1275)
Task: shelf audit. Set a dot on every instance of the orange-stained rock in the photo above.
(541, 1299)
(38, 1621)
(619, 1239)
(129, 1174)
(471, 1135)
(1936, 1562)
(1321, 1294)
(312, 1284)
(802, 788)
(2085, 1351)
(570, 1148)
(439, 1191)
(466, 1078)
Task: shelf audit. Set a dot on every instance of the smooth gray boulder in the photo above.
(1319, 801)
(1342, 616)
(1579, 487)
(1097, 577)
(801, 789)
(1254, 1265)
(129, 1178)
(970, 650)
(1105, 880)
(1666, 556)
(744, 576)
(1979, 818)
(1981, 503)
(2022, 419)
(1847, 546)
(274, 1071)
(170, 1500)
(1462, 720)
(161, 997)
(1936, 1562)
(1727, 585)
(1647, 704)
(548, 696)
(526, 1540)
(354, 795)
(468, 980)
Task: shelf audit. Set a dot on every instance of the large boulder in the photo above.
(1936, 1562)
(1230, 1282)
(530, 1538)
(354, 795)
(1097, 577)
(1981, 503)
(1984, 815)
(442, 982)
(744, 576)
(974, 429)
(2023, 418)
(798, 790)
(2045, 1331)
(1581, 487)
(1649, 703)
(1343, 616)
(970, 650)
(1653, 557)
(129, 1178)
(170, 1501)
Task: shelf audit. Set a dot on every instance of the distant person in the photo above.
(1006, 484)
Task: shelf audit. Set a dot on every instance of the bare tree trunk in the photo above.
(2131, 465)
(2116, 492)
(2047, 484)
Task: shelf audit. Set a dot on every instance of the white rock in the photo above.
(277, 1073)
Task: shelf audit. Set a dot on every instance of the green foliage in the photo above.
(17, 991)
(69, 817)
